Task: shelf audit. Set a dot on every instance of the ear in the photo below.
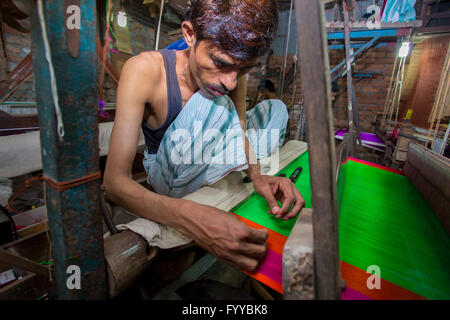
(188, 33)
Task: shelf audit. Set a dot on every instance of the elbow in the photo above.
(109, 184)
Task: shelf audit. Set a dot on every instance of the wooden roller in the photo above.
(430, 174)
(127, 256)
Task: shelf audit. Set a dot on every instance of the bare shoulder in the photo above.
(146, 67)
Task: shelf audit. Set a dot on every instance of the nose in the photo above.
(229, 80)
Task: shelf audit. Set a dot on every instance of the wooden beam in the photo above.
(317, 100)
(66, 94)
(24, 263)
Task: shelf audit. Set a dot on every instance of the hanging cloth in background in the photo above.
(399, 11)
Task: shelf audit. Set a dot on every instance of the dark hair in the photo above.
(244, 29)
(270, 86)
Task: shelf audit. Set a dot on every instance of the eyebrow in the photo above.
(229, 64)
(221, 61)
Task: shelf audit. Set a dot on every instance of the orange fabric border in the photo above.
(356, 278)
(275, 242)
(267, 281)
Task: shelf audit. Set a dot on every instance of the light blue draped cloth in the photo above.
(205, 143)
(399, 11)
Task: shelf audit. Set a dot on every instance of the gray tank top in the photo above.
(152, 136)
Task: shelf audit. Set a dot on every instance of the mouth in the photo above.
(215, 92)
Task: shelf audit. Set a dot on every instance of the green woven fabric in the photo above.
(385, 221)
(255, 207)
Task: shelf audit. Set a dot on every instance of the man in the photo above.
(158, 90)
(269, 92)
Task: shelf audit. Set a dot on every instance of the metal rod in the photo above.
(159, 26)
(351, 124)
(366, 46)
(286, 51)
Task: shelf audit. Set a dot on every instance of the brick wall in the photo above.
(370, 92)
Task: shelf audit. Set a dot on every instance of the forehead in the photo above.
(214, 52)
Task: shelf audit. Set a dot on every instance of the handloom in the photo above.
(383, 221)
(369, 140)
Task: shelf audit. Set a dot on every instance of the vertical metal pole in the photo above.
(351, 106)
(74, 214)
(317, 97)
(158, 30)
(286, 50)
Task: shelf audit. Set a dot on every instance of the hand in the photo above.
(281, 189)
(225, 236)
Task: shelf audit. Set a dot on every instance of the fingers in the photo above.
(299, 205)
(258, 236)
(256, 251)
(289, 198)
(242, 262)
(245, 254)
(271, 201)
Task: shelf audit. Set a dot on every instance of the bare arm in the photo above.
(238, 96)
(271, 188)
(214, 230)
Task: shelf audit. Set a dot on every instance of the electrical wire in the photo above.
(53, 84)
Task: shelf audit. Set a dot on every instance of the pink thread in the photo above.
(271, 266)
(350, 294)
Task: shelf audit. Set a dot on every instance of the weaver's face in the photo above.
(215, 72)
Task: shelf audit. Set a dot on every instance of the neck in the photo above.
(186, 73)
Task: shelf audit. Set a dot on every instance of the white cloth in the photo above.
(156, 234)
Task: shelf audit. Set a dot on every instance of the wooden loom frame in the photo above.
(323, 252)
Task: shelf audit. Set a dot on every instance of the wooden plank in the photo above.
(30, 287)
(22, 262)
(317, 101)
(33, 229)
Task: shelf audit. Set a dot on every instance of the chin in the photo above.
(206, 94)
